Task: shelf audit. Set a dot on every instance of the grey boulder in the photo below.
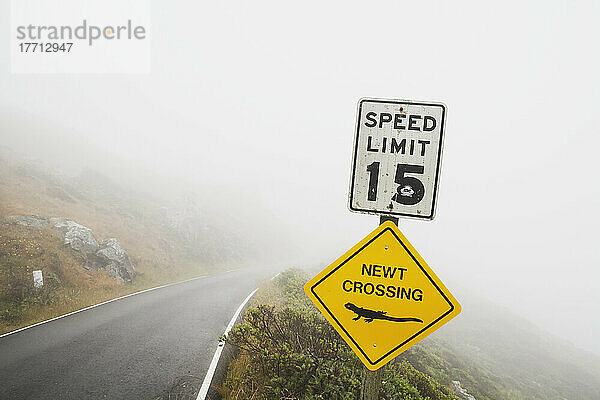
(116, 261)
(77, 236)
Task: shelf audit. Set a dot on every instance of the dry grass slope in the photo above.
(110, 211)
(67, 286)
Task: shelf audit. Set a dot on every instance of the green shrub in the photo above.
(290, 351)
(295, 355)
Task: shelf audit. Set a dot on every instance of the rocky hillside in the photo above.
(108, 256)
(95, 239)
(67, 285)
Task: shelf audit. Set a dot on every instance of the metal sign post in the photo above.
(370, 385)
(372, 379)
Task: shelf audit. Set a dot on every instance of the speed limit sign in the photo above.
(397, 157)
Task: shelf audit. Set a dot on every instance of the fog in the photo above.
(252, 105)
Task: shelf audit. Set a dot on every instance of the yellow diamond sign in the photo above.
(382, 297)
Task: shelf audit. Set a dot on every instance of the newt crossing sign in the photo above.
(382, 297)
(397, 156)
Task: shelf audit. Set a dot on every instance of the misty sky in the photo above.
(260, 99)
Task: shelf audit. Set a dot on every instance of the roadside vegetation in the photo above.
(287, 350)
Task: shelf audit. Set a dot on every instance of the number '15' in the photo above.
(410, 190)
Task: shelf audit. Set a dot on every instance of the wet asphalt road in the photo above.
(132, 348)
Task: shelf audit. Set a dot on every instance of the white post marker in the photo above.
(38, 279)
(397, 157)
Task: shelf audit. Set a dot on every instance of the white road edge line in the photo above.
(105, 302)
(231, 270)
(215, 360)
(276, 275)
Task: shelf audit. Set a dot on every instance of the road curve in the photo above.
(132, 348)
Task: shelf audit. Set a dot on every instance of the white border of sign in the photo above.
(438, 166)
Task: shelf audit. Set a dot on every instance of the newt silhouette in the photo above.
(370, 315)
